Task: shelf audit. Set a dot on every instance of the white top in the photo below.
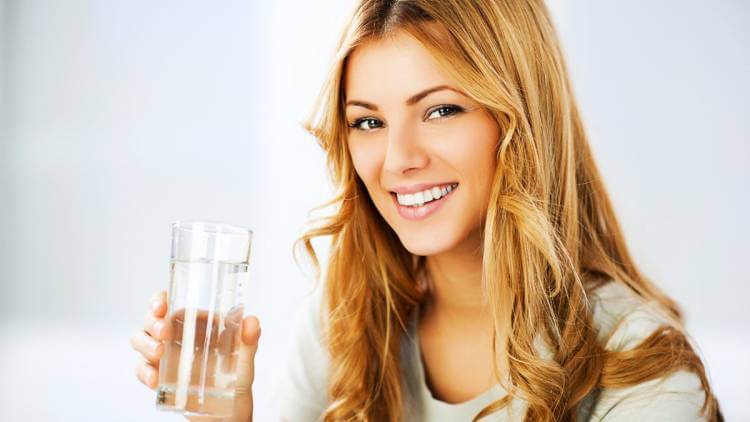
(677, 397)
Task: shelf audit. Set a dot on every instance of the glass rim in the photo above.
(212, 226)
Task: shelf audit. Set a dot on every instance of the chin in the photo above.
(426, 244)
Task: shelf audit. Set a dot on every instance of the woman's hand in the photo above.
(149, 343)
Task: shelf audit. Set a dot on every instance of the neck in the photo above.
(456, 305)
(455, 281)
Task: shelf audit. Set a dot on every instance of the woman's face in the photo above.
(411, 132)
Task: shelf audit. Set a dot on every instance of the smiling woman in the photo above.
(477, 267)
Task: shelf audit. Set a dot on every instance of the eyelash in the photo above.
(455, 110)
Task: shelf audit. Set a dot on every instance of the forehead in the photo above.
(397, 65)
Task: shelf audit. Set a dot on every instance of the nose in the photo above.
(404, 150)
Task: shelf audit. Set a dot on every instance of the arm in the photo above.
(676, 397)
(624, 321)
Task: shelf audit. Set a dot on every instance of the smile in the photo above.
(423, 206)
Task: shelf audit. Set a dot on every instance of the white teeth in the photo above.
(420, 198)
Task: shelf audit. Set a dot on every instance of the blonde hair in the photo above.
(548, 206)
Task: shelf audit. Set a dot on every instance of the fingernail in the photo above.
(155, 304)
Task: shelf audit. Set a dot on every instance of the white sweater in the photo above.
(676, 397)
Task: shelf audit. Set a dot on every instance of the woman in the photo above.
(477, 268)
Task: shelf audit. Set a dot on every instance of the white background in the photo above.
(118, 118)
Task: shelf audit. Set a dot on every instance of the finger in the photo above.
(229, 338)
(149, 348)
(158, 304)
(243, 405)
(250, 336)
(158, 328)
(147, 374)
(251, 332)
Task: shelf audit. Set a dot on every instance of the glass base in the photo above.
(215, 402)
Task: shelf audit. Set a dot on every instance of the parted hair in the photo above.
(550, 234)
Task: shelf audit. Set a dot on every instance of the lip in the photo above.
(419, 188)
(420, 213)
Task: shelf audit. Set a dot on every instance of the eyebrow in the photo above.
(410, 101)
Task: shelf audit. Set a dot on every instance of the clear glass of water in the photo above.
(206, 304)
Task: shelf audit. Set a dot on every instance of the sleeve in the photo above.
(677, 396)
(302, 389)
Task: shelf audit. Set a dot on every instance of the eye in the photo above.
(357, 124)
(444, 111)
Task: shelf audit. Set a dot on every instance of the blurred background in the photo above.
(118, 118)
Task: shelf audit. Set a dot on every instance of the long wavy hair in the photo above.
(550, 233)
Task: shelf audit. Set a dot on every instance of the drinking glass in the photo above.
(208, 284)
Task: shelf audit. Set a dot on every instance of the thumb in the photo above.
(243, 401)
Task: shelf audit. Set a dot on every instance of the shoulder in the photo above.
(624, 319)
(302, 389)
(675, 397)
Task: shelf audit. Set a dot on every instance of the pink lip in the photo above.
(420, 213)
(418, 188)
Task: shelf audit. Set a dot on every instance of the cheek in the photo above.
(367, 160)
(484, 158)
(471, 151)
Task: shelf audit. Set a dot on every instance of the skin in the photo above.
(393, 143)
